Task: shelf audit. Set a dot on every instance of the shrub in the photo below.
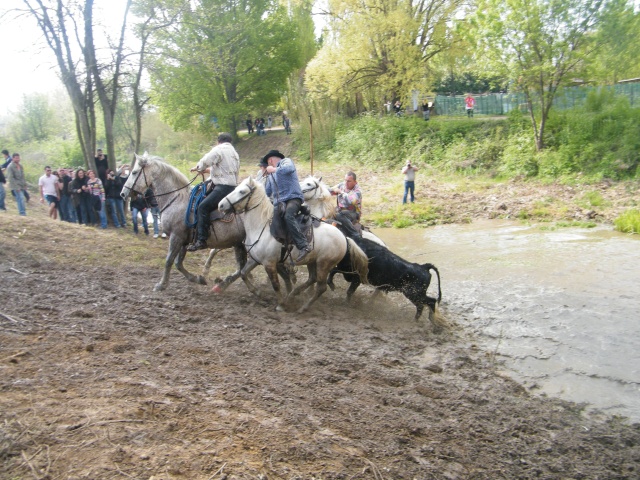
(628, 222)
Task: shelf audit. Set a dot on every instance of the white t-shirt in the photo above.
(48, 185)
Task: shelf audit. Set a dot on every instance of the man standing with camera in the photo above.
(409, 172)
(102, 165)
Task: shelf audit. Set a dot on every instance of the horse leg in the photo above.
(207, 265)
(241, 261)
(199, 279)
(355, 283)
(288, 277)
(245, 273)
(272, 273)
(321, 275)
(174, 250)
(310, 281)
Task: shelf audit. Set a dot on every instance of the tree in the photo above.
(539, 44)
(384, 46)
(68, 29)
(35, 119)
(221, 58)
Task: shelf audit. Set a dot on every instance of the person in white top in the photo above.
(50, 191)
(409, 172)
(223, 165)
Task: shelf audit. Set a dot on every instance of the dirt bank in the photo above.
(102, 378)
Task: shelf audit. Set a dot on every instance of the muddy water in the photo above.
(560, 309)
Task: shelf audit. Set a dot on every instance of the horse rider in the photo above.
(283, 187)
(349, 198)
(223, 165)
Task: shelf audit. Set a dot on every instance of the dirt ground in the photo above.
(103, 378)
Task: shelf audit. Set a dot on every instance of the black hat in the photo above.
(272, 153)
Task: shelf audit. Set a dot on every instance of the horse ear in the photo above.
(320, 179)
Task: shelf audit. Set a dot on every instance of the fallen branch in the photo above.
(15, 355)
(11, 319)
(17, 271)
(219, 471)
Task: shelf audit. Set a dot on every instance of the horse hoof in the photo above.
(217, 289)
(202, 280)
(280, 308)
(159, 287)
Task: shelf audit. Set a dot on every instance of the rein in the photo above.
(144, 174)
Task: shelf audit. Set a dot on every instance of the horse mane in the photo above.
(260, 200)
(165, 170)
(322, 204)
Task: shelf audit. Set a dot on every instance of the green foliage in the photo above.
(404, 216)
(601, 139)
(223, 60)
(628, 222)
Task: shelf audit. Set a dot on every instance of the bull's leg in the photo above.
(330, 279)
(355, 283)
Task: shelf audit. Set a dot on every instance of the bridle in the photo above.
(248, 196)
(157, 194)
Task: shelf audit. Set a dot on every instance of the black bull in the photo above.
(389, 272)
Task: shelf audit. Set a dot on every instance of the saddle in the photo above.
(279, 227)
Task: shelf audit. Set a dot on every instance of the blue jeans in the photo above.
(155, 213)
(21, 201)
(134, 220)
(103, 214)
(3, 195)
(67, 210)
(117, 212)
(409, 187)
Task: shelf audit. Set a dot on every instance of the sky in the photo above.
(27, 64)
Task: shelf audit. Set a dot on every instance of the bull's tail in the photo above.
(429, 266)
(359, 261)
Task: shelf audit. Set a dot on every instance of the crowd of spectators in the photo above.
(84, 197)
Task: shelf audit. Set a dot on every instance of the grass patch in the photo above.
(403, 216)
(592, 199)
(628, 222)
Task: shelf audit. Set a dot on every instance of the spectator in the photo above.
(3, 193)
(112, 189)
(7, 159)
(269, 121)
(249, 126)
(96, 188)
(67, 208)
(80, 190)
(349, 200)
(152, 203)
(409, 172)
(50, 191)
(139, 205)
(17, 183)
(426, 110)
(102, 165)
(287, 125)
(469, 105)
(397, 107)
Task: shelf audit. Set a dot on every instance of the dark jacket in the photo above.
(150, 198)
(113, 187)
(139, 203)
(2, 179)
(77, 184)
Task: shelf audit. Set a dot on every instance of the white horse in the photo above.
(323, 205)
(329, 245)
(172, 191)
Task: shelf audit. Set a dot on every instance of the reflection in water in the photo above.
(560, 307)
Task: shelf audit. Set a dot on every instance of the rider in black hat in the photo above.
(283, 187)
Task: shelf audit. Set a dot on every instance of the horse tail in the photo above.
(430, 266)
(359, 261)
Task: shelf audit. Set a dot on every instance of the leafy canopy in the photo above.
(222, 59)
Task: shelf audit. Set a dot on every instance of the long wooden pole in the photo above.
(311, 141)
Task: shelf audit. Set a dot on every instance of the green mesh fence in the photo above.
(503, 103)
